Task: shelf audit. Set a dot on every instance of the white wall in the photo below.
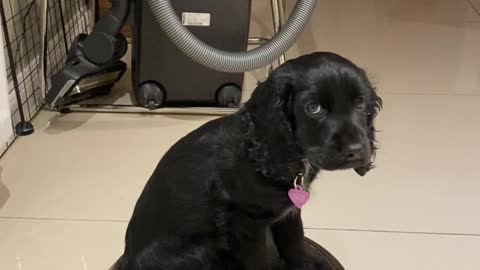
(6, 133)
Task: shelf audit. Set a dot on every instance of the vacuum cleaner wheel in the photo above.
(229, 96)
(151, 95)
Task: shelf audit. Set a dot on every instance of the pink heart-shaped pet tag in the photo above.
(298, 196)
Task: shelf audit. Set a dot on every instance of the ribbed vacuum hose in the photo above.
(216, 59)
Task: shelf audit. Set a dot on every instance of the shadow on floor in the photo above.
(4, 192)
(60, 123)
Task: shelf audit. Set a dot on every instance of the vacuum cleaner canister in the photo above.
(196, 61)
(164, 76)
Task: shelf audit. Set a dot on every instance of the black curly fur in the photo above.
(374, 106)
(272, 144)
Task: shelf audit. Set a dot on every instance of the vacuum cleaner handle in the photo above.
(106, 44)
(112, 22)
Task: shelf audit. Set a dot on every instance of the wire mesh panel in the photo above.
(22, 19)
(66, 19)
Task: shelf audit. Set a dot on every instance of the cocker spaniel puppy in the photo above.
(228, 195)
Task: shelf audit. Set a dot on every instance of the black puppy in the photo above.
(221, 191)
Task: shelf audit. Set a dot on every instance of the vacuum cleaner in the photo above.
(184, 53)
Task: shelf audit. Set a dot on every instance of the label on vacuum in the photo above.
(195, 19)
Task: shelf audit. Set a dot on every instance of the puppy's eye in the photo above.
(314, 108)
(360, 104)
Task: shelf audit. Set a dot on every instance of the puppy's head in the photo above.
(330, 106)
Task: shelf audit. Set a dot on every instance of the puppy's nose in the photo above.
(354, 151)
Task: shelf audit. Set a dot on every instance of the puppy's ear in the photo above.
(272, 122)
(281, 86)
(273, 100)
(374, 107)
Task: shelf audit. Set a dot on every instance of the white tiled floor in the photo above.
(67, 191)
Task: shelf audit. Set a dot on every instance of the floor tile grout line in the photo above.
(473, 7)
(306, 228)
(429, 94)
(394, 232)
(64, 219)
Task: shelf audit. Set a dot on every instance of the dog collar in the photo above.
(298, 195)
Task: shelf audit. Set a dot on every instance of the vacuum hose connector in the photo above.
(233, 62)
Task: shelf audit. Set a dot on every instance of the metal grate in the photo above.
(22, 18)
(66, 19)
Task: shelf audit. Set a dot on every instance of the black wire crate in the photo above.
(22, 22)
